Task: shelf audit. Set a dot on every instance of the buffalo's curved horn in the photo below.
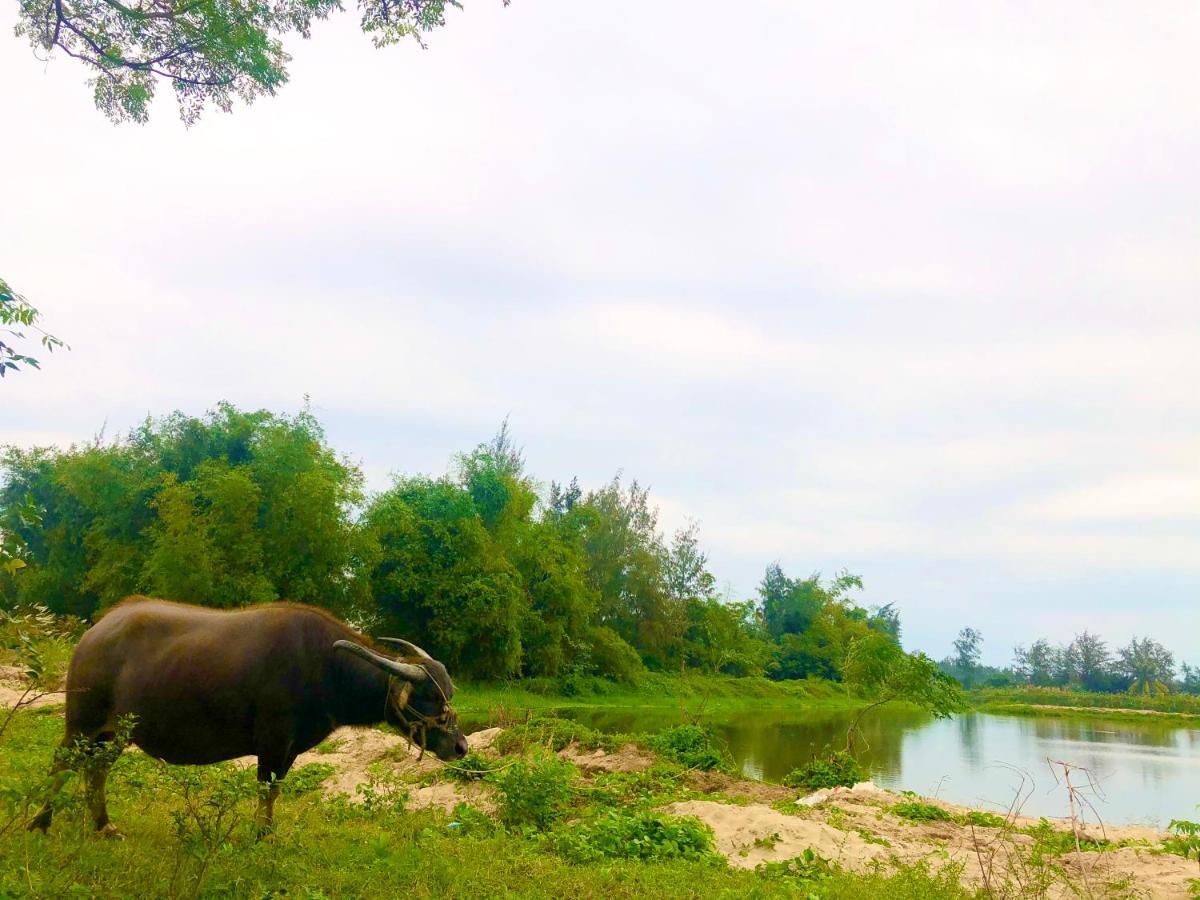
(408, 646)
(401, 670)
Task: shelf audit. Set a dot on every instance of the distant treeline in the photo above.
(1143, 666)
(495, 576)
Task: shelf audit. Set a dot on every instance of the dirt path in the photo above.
(14, 689)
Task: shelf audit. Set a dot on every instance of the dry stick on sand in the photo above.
(1077, 801)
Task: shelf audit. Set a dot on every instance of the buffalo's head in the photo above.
(419, 695)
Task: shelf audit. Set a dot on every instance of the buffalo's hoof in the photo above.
(111, 832)
(40, 823)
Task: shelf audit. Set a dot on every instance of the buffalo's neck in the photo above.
(362, 693)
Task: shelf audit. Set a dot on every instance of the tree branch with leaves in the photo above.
(208, 51)
(17, 316)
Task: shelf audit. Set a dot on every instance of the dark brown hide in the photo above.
(209, 685)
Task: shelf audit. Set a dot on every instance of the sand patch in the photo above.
(15, 688)
(750, 835)
(852, 827)
(626, 759)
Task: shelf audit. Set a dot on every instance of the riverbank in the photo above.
(692, 693)
(1057, 702)
(542, 809)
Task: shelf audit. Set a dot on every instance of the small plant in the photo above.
(330, 746)
(808, 867)
(838, 769)
(468, 821)
(1184, 840)
(472, 767)
(981, 819)
(535, 793)
(690, 746)
(306, 778)
(553, 734)
(208, 817)
(635, 835)
(918, 811)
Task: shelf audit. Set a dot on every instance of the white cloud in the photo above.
(907, 289)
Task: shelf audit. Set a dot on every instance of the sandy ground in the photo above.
(853, 828)
(14, 689)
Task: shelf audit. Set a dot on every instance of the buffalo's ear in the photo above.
(408, 672)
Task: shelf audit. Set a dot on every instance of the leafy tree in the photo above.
(881, 669)
(16, 315)
(1089, 662)
(439, 576)
(207, 52)
(1147, 665)
(1042, 664)
(228, 509)
(967, 648)
(1189, 681)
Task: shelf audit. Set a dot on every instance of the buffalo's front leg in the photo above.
(272, 767)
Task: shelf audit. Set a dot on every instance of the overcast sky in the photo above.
(907, 291)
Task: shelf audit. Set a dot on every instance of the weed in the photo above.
(690, 746)
(837, 769)
(535, 793)
(621, 834)
(918, 811)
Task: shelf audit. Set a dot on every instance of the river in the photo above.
(1146, 772)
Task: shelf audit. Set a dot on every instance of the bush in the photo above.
(472, 767)
(553, 734)
(635, 835)
(917, 811)
(838, 769)
(306, 778)
(535, 792)
(691, 746)
(981, 819)
(612, 656)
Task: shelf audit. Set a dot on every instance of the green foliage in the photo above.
(1184, 840)
(244, 507)
(229, 509)
(982, 819)
(306, 778)
(690, 746)
(16, 316)
(207, 52)
(472, 767)
(535, 793)
(918, 811)
(838, 769)
(805, 869)
(553, 734)
(648, 836)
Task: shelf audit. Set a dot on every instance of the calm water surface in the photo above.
(1148, 772)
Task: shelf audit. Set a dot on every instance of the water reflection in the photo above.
(1146, 771)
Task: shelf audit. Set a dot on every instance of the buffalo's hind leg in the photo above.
(97, 776)
(58, 776)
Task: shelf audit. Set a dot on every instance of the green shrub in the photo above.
(472, 767)
(984, 819)
(1184, 840)
(553, 734)
(306, 778)
(613, 656)
(917, 811)
(691, 746)
(535, 792)
(623, 834)
(838, 769)
(807, 868)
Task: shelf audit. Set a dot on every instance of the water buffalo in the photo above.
(270, 681)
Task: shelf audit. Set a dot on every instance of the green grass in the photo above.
(653, 691)
(189, 833)
(1022, 699)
